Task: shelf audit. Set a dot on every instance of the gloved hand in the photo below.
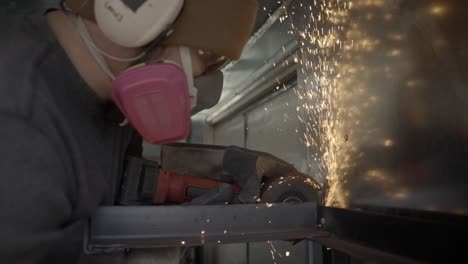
(220, 195)
(249, 169)
(246, 168)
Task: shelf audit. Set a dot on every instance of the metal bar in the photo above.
(114, 228)
(362, 252)
(314, 253)
(409, 237)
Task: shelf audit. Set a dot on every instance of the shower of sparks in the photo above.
(323, 46)
(274, 253)
(334, 86)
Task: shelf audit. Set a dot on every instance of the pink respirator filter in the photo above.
(155, 100)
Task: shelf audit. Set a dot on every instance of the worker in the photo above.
(81, 86)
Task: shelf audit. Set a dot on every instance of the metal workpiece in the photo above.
(394, 235)
(116, 228)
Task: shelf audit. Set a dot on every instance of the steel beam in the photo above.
(395, 236)
(116, 228)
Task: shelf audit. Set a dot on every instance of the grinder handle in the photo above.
(171, 187)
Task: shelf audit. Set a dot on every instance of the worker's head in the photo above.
(178, 39)
(214, 30)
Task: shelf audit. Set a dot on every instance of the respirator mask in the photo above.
(158, 97)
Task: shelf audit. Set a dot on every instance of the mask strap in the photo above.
(90, 43)
(86, 37)
(186, 59)
(84, 34)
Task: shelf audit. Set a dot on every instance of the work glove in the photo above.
(246, 168)
(249, 169)
(221, 195)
